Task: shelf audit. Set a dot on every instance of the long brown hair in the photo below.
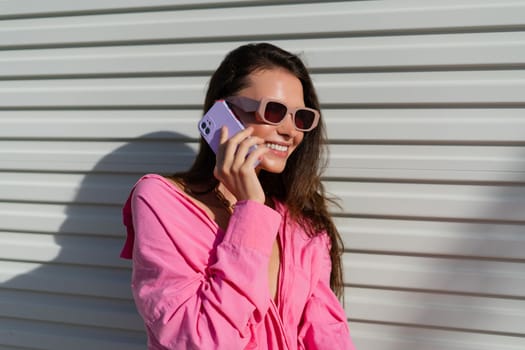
(299, 185)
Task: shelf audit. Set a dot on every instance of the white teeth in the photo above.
(277, 147)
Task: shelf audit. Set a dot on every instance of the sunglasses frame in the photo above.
(249, 105)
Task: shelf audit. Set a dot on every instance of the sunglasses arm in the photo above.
(244, 103)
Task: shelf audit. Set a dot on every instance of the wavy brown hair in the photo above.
(299, 185)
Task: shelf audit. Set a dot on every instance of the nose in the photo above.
(287, 126)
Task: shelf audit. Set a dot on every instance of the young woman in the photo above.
(239, 252)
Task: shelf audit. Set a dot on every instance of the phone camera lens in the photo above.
(207, 131)
(203, 125)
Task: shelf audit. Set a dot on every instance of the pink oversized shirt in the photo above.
(199, 287)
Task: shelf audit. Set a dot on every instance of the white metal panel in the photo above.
(24, 334)
(433, 238)
(120, 157)
(66, 188)
(372, 336)
(437, 201)
(66, 279)
(59, 218)
(427, 125)
(437, 310)
(104, 92)
(472, 87)
(66, 249)
(409, 52)
(103, 125)
(54, 7)
(292, 20)
(443, 275)
(98, 312)
(431, 163)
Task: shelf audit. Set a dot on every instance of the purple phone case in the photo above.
(210, 125)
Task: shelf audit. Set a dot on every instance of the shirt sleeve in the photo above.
(323, 324)
(188, 307)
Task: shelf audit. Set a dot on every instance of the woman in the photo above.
(239, 252)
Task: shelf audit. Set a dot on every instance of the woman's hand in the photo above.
(235, 169)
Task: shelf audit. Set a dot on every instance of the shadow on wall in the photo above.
(81, 298)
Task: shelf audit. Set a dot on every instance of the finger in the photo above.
(245, 147)
(249, 142)
(256, 156)
(219, 157)
(241, 135)
(225, 155)
(227, 147)
(224, 135)
(231, 146)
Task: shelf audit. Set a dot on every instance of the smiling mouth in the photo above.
(276, 147)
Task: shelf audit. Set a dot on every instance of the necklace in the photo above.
(224, 201)
(218, 194)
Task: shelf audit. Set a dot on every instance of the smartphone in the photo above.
(211, 123)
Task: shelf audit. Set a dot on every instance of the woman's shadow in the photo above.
(81, 298)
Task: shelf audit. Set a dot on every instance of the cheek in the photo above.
(299, 138)
(261, 130)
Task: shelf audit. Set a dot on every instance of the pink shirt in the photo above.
(199, 287)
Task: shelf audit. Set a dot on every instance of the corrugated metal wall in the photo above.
(424, 102)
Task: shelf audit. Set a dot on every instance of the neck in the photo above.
(226, 198)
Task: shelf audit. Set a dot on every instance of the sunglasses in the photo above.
(273, 111)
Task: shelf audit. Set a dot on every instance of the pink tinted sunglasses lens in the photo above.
(304, 119)
(275, 112)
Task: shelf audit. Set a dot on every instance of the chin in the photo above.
(272, 166)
